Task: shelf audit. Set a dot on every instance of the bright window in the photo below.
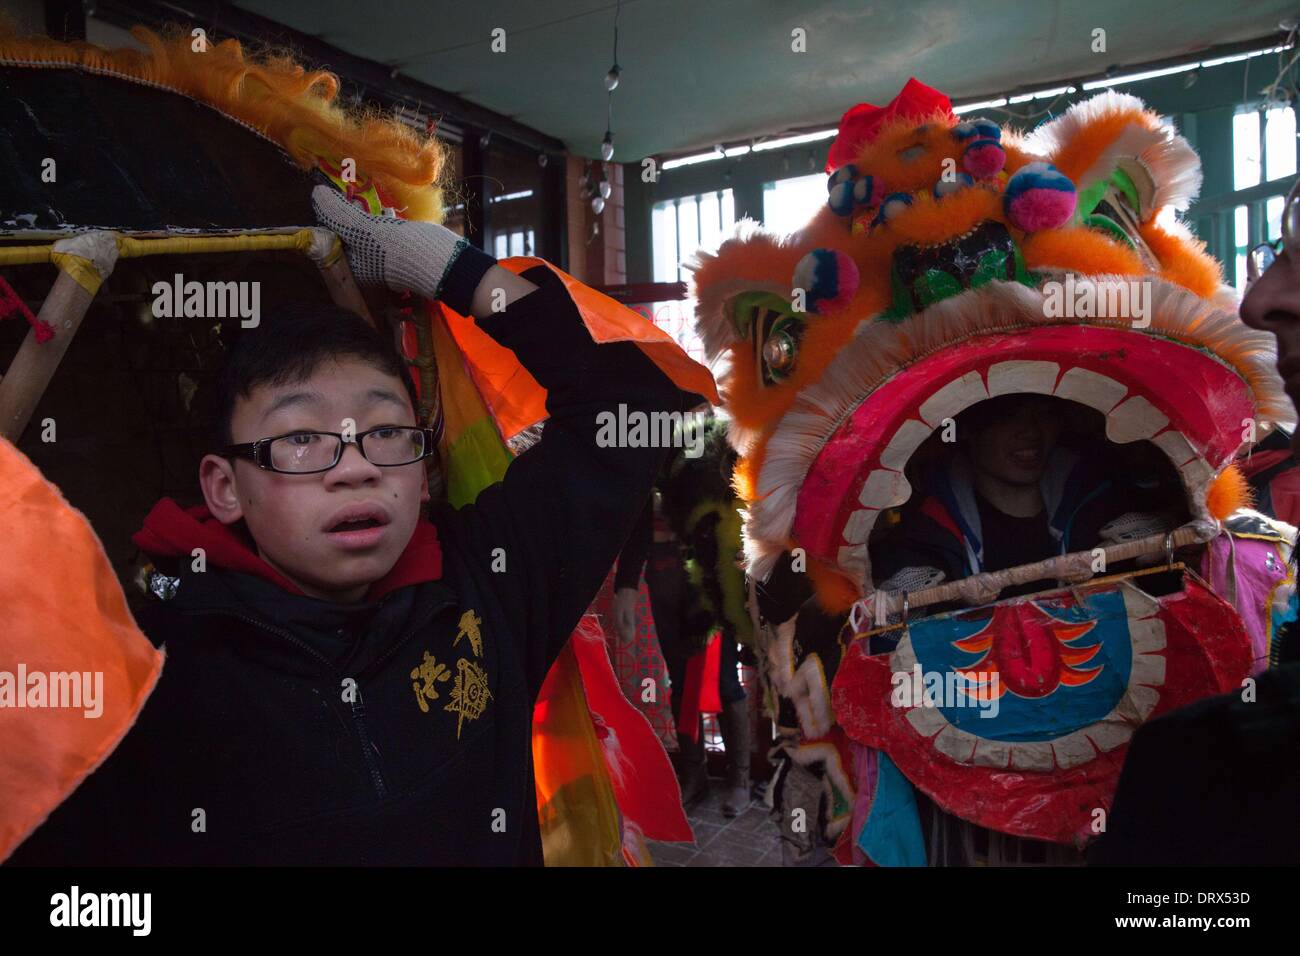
(1245, 150)
(788, 204)
(516, 243)
(1273, 216)
(1241, 240)
(1279, 143)
(679, 228)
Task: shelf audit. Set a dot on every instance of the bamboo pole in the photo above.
(343, 288)
(1074, 568)
(34, 365)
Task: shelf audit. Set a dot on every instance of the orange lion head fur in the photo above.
(955, 261)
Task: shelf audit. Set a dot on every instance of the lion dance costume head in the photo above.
(954, 262)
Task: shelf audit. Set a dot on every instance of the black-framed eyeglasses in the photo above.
(1265, 254)
(308, 453)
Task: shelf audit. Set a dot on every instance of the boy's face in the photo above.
(292, 517)
(1015, 445)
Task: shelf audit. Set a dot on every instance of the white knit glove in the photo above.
(420, 257)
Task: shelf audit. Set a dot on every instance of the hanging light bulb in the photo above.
(607, 146)
(598, 205)
(612, 78)
(605, 189)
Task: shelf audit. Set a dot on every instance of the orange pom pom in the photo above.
(1228, 492)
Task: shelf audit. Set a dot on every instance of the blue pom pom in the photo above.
(891, 206)
(841, 175)
(841, 198)
(977, 129)
(863, 190)
(829, 278)
(1036, 176)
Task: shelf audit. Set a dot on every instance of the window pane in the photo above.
(1273, 215)
(1241, 240)
(519, 195)
(1279, 143)
(499, 244)
(705, 221)
(516, 243)
(710, 225)
(1245, 150)
(663, 236)
(688, 230)
(788, 203)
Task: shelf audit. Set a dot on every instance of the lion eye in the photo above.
(780, 346)
(778, 353)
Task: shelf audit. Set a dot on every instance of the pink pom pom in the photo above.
(847, 286)
(984, 159)
(1038, 209)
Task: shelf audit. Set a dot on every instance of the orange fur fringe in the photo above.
(272, 94)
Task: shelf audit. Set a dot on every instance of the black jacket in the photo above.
(1215, 782)
(252, 749)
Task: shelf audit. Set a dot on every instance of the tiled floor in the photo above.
(750, 839)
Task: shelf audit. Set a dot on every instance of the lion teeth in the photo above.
(1149, 669)
(884, 489)
(1090, 388)
(1109, 734)
(1013, 378)
(1196, 475)
(1072, 750)
(1175, 446)
(906, 440)
(926, 720)
(1133, 420)
(1032, 757)
(859, 525)
(1146, 635)
(952, 398)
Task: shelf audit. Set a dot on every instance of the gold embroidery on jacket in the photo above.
(469, 694)
(469, 627)
(430, 672)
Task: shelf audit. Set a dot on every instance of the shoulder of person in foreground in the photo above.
(1214, 782)
(550, 531)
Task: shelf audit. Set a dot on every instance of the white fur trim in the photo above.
(1165, 169)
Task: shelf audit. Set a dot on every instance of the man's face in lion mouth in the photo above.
(1013, 437)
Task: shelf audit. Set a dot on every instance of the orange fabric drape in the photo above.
(64, 613)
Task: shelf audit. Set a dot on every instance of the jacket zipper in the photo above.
(358, 708)
(358, 705)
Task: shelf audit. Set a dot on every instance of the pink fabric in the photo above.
(641, 659)
(1255, 579)
(864, 773)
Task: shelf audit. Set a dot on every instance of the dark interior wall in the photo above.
(131, 400)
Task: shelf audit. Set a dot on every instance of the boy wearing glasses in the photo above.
(345, 681)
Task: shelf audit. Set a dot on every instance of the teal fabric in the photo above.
(892, 835)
